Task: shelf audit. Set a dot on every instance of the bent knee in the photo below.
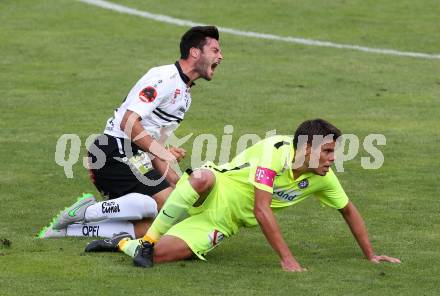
(139, 205)
(202, 180)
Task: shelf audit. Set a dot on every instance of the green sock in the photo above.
(128, 246)
(177, 204)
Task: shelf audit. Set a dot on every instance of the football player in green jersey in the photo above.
(274, 173)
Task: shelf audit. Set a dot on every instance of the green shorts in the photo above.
(199, 234)
(211, 222)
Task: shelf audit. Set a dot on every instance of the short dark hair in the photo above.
(315, 127)
(196, 37)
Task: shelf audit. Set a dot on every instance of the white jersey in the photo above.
(161, 98)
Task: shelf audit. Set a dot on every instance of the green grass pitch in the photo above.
(65, 65)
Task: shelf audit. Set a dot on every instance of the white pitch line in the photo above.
(310, 42)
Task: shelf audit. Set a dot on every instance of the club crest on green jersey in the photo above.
(303, 184)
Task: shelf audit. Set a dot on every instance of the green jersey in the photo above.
(267, 165)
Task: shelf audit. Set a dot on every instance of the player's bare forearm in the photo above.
(134, 130)
(165, 169)
(132, 127)
(357, 227)
(271, 231)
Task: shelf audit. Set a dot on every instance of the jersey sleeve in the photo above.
(147, 95)
(332, 193)
(271, 160)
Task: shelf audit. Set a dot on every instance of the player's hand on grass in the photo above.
(179, 153)
(291, 265)
(383, 258)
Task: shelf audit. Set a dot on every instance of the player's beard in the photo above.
(204, 67)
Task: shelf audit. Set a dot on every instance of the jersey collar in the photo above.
(183, 75)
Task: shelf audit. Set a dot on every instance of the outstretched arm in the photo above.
(357, 227)
(269, 226)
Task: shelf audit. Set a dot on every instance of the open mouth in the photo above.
(213, 66)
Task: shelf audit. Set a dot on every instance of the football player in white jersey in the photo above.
(129, 163)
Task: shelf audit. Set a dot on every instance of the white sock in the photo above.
(102, 229)
(132, 206)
